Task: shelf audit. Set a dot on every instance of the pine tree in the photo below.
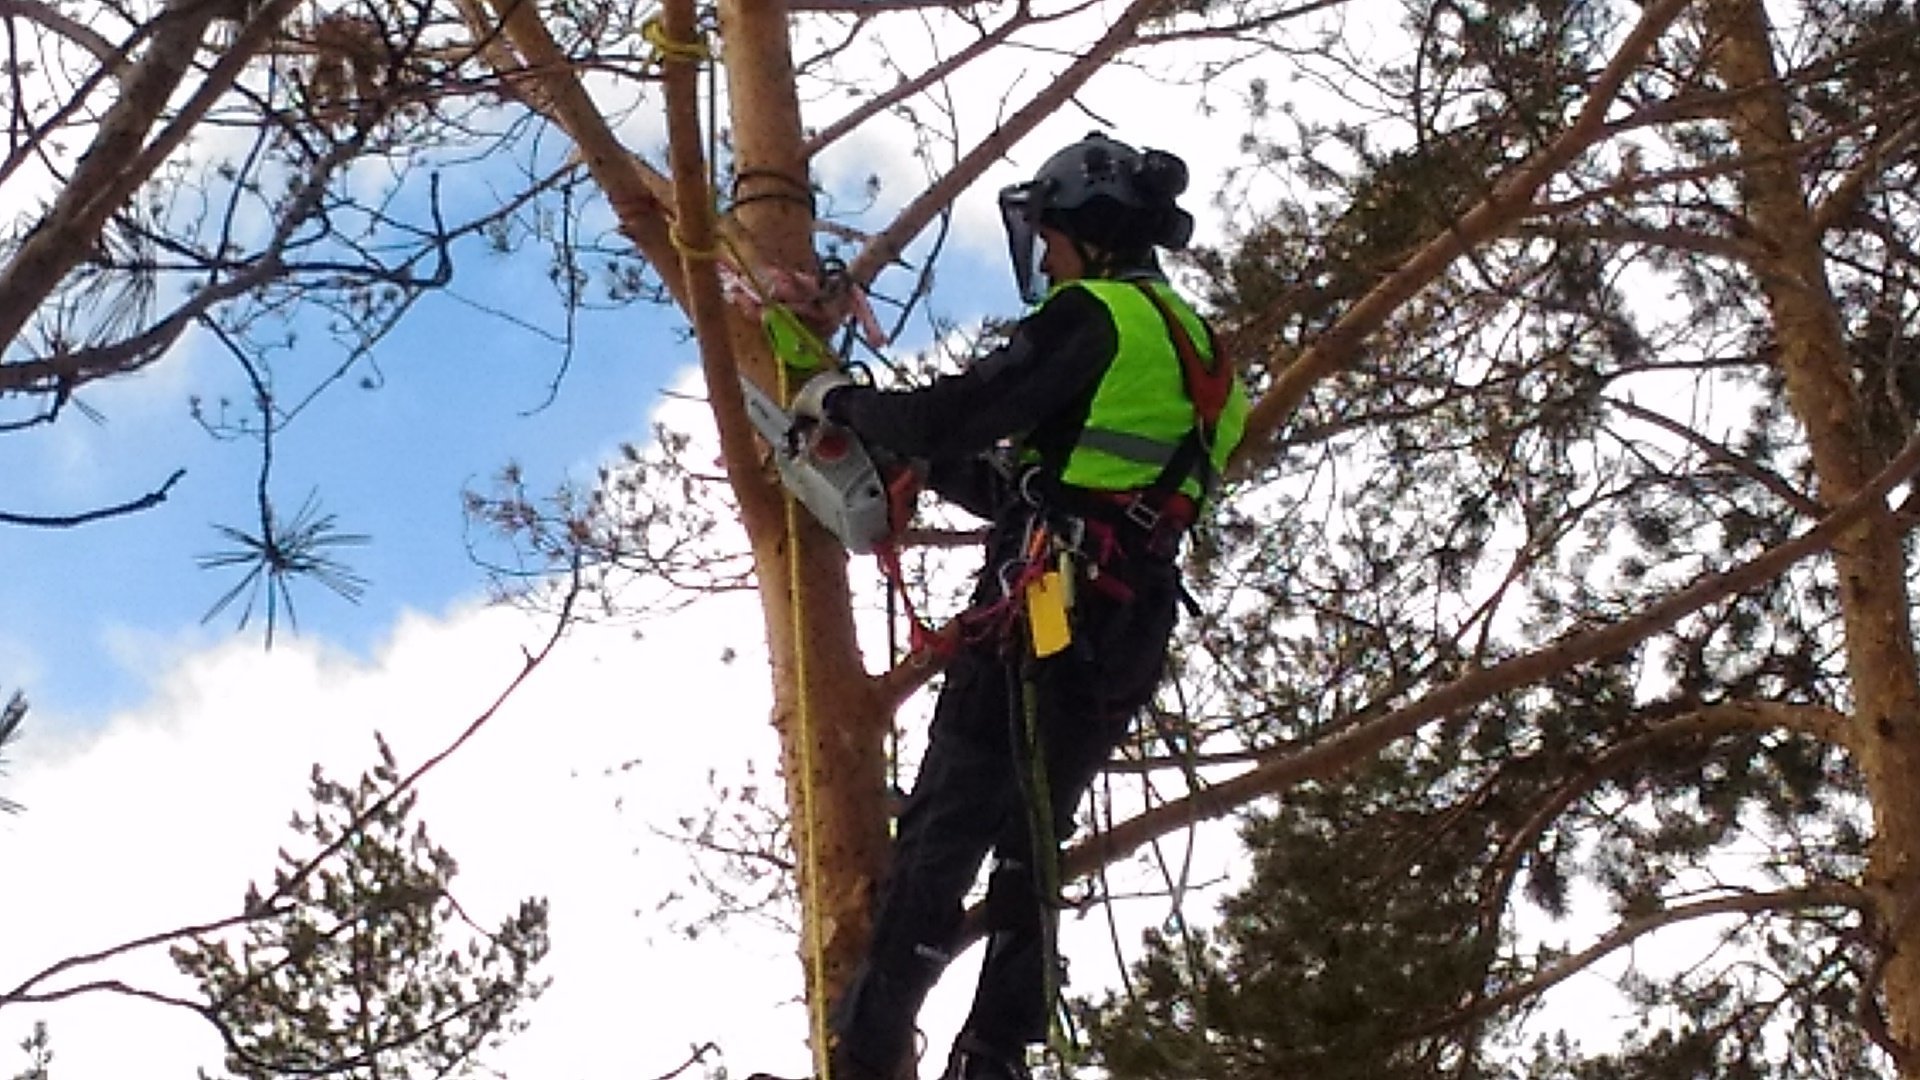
(1689, 352)
(364, 964)
(39, 1050)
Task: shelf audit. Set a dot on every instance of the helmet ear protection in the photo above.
(1161, 177)
(1098, 191)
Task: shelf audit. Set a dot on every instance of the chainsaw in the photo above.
(828, 469)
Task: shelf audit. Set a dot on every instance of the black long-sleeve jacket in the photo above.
(1036, 389)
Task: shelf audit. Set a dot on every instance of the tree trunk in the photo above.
(1869, 561)
(830, 716)
(832, 725)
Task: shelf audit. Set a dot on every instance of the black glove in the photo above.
(810, 404)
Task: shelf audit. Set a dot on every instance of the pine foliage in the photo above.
(12, 715)
(1576, 420)
(363, 963)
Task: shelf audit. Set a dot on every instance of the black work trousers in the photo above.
(971, 796)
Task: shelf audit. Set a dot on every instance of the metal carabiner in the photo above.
(1069, 534)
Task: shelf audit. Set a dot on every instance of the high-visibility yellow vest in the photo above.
(1142, 411)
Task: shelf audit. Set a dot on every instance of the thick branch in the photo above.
(120, 159)
(1512, 198)
(634, 190)
(699, 253)
(888, 245)
(1580, 647)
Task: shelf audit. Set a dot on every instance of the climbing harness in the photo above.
(1209, 386)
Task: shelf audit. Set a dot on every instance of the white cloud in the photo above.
(160, 815)
(21, 663)
(160, 819)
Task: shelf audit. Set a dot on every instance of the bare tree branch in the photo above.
(637, 193)
(1826, 895)
(1871, 168)
(1337, 346)
(63, 521)
(120, 157)
(1021, 17)
(1579, 647)
(1766, 478)
(109, 54)
(891, 242)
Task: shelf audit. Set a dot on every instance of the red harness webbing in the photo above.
(980, 622)
(1208, 386)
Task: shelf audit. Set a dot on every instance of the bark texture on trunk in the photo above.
(831, 723)
(1869, 561)
(830, 716)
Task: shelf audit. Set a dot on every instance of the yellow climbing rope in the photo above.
(668, 49)
(665, 48)
(807, 834)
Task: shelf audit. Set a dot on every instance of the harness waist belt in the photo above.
(1139, 508)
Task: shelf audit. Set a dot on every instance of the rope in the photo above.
(665, 48)
(688, 251)
(1046, 856)
(799, 191)
(1042, 830)
(814, 925)
(1030, 768)
(791, 340)
(814, 922)
(669, 50)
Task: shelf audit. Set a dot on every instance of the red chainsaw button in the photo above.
(830, 446)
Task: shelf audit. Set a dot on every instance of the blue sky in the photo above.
(457, 393)
(461, 395)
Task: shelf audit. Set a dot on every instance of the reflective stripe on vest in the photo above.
(1141, 411)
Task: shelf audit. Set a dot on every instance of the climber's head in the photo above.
(1109, 203)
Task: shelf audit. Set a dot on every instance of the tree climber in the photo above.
(1090, 440)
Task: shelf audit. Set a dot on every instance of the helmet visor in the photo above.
(1020, 213)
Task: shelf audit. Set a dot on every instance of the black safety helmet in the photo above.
(1115, 202)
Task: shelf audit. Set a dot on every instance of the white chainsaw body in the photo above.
(827, 468)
